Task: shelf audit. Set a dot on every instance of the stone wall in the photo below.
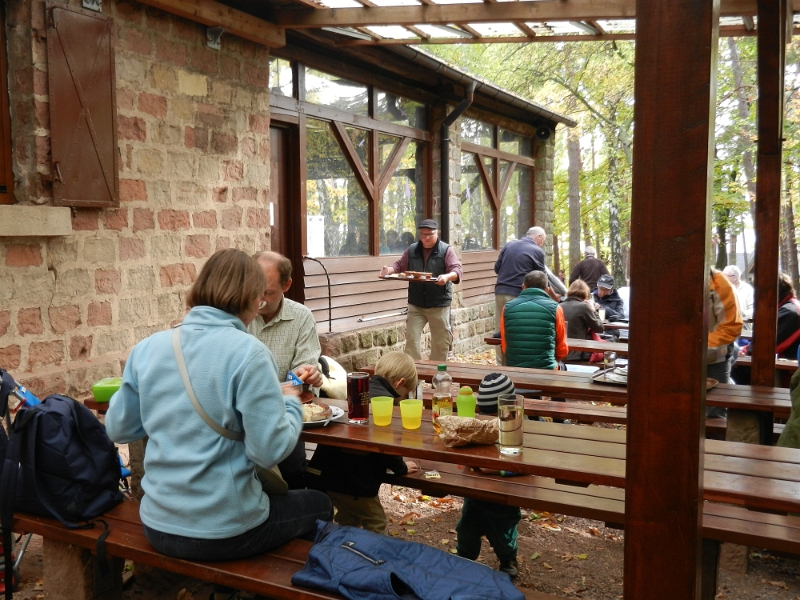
(544, 154)
(193, 129)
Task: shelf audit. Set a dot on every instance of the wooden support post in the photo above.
(676, 58)
(772, 19)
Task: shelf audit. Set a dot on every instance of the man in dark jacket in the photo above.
(532, 327)
(589, 269)
(516, 259)
(429, 301)
(607, 297)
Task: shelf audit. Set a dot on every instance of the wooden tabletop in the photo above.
(579, 386)
(762, 477)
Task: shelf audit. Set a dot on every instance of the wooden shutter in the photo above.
(83, 116)
(6, 173)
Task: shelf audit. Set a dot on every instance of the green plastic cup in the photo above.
(382, 407)
(411, 413)
(466, 402)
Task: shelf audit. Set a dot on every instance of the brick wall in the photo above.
(193, 127)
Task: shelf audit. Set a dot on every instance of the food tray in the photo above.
(410, 276)
(600, 377)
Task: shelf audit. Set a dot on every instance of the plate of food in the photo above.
(319, 414)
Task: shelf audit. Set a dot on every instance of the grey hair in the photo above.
(732, 270)
(535, 232)
(589, 251)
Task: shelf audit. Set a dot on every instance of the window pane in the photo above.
(360, 140)
(402, 202)
(515, 209)
(280, 77)
(514, 143)
(477, 132)
(477, 219)
(329, 90)
(336, 206)
(402, 111)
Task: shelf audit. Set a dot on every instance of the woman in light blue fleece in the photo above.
(202, 498)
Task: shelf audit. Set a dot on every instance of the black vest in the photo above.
(429, 295)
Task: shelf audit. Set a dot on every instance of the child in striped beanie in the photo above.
(491, 387)
(497, 522)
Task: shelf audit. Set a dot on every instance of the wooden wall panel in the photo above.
(477, 286)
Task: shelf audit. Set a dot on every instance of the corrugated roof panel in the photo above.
(394, 32)
(496, 29)
(396, 2)
(618, 26)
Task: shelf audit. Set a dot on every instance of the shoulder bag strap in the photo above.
(176, 348)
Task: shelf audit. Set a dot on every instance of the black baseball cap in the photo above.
(606, 281)
(428, 224)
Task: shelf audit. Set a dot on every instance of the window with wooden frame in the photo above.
(364, 187)
(6, 172)
(496, 185)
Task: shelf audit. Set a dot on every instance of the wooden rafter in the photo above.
(524, 28)
(471, 30)
(488, 183)
(597, 26)
(419, 32)
(234, 21)
(572, 10)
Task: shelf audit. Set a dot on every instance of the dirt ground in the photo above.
(560, 555)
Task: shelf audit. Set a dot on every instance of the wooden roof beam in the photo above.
(573, 10)
(214, 14)
(524, 28)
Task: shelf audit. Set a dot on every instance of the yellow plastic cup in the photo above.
(411, 413)
(382, 407)
(466, 401)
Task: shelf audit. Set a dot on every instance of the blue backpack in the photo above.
(57, 462)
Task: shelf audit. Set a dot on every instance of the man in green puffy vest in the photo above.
(532, 327)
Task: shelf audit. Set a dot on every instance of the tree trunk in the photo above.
(556, 255)
(743, 108)
(788, 239)
(573, 176)
(732, 249)
(722, 232)
(614, 227)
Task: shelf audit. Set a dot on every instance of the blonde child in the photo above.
(352, 479)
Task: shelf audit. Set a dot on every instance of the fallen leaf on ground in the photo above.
(535, 555)
(582, 556)
(453, 551)
(573, 589)
(546, 566)
(780, 584)
(551, 526)
(444, 541)
(594, 531)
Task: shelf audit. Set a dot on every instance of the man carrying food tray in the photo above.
(429, 299)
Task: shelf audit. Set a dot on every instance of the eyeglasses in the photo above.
(427, 236)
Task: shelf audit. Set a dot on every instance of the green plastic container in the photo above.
(105, 388)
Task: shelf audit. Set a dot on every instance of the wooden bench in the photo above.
(268, 574)
(721, 522)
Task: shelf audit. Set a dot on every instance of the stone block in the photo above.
(64, 318)
(169, 306)
(115, 219)
(131, 128)
(232, 218)
(165, 247)
(5, 321)
(210, 167)
(99, 250)
(80, 347)
(81, 378)
(198, 246)
(143, 219)
(144, 331)
(257, 218)
(365, 339)
(132, 190)
(192, 84)
(29, 321)
(160, 193)
(153, 104)
(134, 311)
(61, 250)
(130, 249)
(177, 274)
(210, 115)
(29, 287)
(349, 343)
(733, 557)
(130, 70)
(222, 243)
(42, 385)
(195, 137)
(181, 109)
(257, 174)
(41, 354)
(167, 134)
(24, 255)
(233, 170)
(370, 357)
(379, 337)
(259, 124)
(72, 283)
(107, 281)
(173, 220)
(244, 193)
(140, 278)
(99, 314)
(743, 426)
(163, 77)
(205, 220)
(119, 341)
(17, 221)
(10, 357)
(180, 165)
(391, 337)
(149, 161)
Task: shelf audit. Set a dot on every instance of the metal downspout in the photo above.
(444, 226)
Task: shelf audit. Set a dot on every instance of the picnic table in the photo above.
(758, 477)
(769, 401)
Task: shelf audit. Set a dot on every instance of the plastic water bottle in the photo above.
(442, 400)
